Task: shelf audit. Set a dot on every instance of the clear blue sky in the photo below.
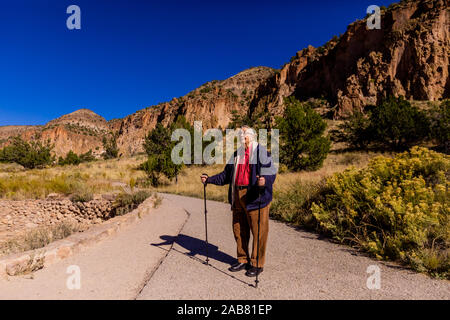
(130, 54)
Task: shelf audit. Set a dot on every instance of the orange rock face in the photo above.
(212, 103)
(408, 56)
(80, 131)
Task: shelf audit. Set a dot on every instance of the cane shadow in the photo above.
(196, 247)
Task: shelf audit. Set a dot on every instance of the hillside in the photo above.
(83, 130)
(211, 103)
(80, 131)
(408, 56)
(10, 131)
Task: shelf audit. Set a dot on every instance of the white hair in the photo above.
(249, 131)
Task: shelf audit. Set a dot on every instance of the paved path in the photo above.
(116, 268)
(299, 266)
(161, 257)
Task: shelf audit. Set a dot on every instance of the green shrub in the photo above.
(293, 205)
(28, 154)
(206, 89)
(238, 121)
(157, 141)
(398, 124)
(127, 202)
(182, 123)
(158, 146)
(110, 146)
(395, 209)
(393, 124)
(84, 196)
(73, 159)
(355, 130)
(440, 125)
(158, 165)
(70, 159)
(302, 144)
(87, 157)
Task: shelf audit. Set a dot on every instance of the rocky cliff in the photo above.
(408, 55)
(83, 130)
(212, 103)
(79, 131)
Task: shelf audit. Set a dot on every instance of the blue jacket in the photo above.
(263, 167)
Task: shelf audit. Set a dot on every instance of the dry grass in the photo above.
(127, 202)
(157, 202)
(42, 236)
(117, 174)
(38, 238)
(11, 167)
(189, 183)
(99, 177)
(189, 180)
(34, 263)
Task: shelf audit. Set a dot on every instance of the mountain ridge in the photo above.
(408, 56)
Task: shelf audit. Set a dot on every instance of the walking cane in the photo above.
(206, 224)
(257, 241)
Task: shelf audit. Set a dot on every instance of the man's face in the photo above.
(246, 137)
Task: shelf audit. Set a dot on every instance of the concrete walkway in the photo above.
(299, 266)
(161, 256)
(116, 268)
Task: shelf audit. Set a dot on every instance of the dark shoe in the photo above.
(238, 267)
(254, 271)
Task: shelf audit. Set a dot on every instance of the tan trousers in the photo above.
(245, 221)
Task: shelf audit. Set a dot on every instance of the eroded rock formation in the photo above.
(408, 56)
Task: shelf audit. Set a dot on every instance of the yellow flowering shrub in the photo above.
(396, 208)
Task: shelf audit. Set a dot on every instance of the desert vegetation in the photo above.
(35, 154)
(158, 147)
(378, 191)
(73, 159)
(30, 155)
(16, 182)
(38, 237)
(303, 145)
(397, 125)
(110, 146)
(394, 208)
(385, 197)
(188, 180)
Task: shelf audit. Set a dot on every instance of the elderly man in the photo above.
(250, 175)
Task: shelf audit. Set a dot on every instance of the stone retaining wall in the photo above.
(30, 261)
(19, 216)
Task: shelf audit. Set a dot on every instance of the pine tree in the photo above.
(302, 144)
(158, 146)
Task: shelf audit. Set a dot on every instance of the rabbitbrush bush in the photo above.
(394, 209)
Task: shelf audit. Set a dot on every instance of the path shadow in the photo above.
(196, 247)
